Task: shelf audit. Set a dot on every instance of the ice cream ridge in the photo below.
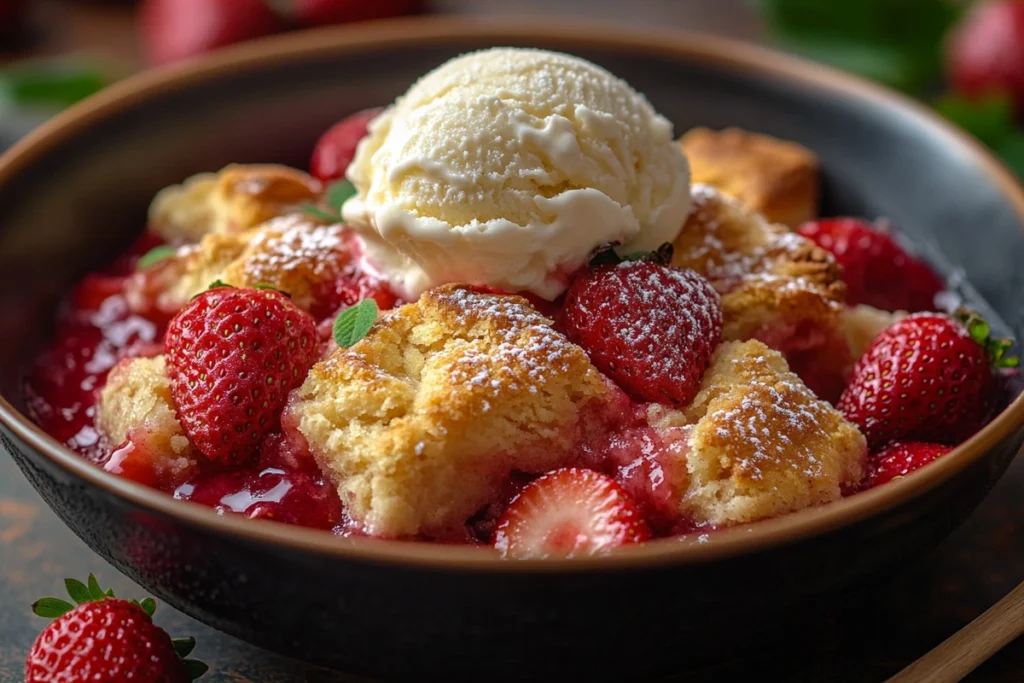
(507, 167)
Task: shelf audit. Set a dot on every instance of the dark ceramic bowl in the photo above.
(76, 191)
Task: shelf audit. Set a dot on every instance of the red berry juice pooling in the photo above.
(95, 330)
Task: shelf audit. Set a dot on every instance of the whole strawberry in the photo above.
(928, 378)
(106, 639)
(649, 327)
(233, 355)
(877, 271)
(173, 30)
(336, 148)
(985, 53)
(900, 458)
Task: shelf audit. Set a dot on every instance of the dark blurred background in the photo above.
(963, 57)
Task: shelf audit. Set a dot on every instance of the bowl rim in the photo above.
(568, 36)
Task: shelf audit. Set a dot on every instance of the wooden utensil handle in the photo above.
(966, 649)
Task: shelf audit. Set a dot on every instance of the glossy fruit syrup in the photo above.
(96, 329)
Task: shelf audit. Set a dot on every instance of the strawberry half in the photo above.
(928, 378)
(900, 458)
(568, 513)
(877, 271)
(233, 355)
(649, 327)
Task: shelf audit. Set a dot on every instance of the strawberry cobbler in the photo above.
(512, 309)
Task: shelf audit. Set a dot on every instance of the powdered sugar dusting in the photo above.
(732, 247)
(526, 342)
(294, 243)
(776, 425)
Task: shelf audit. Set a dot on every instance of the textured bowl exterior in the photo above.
(76, 191)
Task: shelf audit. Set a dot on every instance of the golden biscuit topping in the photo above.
(761, 443)
(292, 253)
(765, 273)
(236, 199)
(420, 421)
(773, 177)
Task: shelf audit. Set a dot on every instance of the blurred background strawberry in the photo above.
(965, 58)
(171, 30)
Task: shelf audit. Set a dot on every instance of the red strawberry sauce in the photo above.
(95, 329)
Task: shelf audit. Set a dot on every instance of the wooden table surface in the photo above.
(862, 640)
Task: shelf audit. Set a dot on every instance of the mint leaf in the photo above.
(155, 255)
(355, 322)
(338, 193)
(78, 591)
(51, 608)
(317, 212)
(50, 84)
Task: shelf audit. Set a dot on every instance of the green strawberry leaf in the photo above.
(981, 332)
(156, 255)
(195, 669)
(78, 591)
(355, 322)
(989, 119)
(605, 255)
(148, 606)
(110, 593)
(320, 214)
(51, 608)
(184, 646)
(272, 288)
(662, 255)
(94, 588)
(338, 193)
(1011, 150)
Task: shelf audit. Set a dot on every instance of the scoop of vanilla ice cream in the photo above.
(507, 167)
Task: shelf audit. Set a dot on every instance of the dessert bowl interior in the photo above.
(76, 191)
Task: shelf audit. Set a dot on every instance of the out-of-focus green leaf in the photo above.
(990, 119)
(896, 42)
(1011, 150)
(56, 84)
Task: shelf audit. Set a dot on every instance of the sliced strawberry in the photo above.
(567, 513)
(900, 458)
